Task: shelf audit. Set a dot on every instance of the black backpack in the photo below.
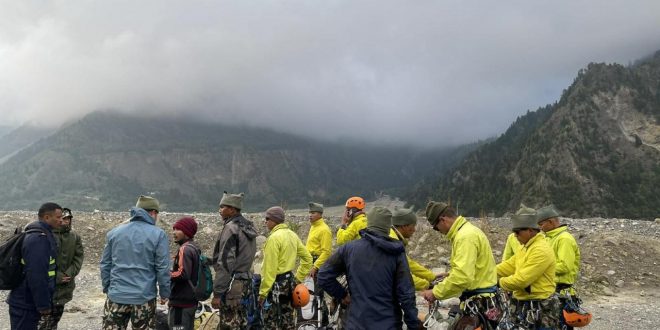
(11, 268)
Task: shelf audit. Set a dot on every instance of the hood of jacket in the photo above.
(383, 242)
(139, 214)
(245, 225)
(38, 225)
(64, 229)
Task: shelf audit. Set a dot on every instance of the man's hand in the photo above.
(66, 279)
(312, 273)
(345, 219)
(428, 295)
(163, 301)
(216, 302)
(347, 300)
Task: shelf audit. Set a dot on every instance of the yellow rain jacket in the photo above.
(422, 276)
(472, 262)
(319, 242)
(530, 273)
(567, 254)
(280, 252)
(352, 231)
(512, 246)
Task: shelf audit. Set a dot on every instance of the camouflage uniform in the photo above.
(233, 315)
(277, 310)
(49, 321)
(536, 314)
(116, 316)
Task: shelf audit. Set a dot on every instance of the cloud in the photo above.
(422, 72)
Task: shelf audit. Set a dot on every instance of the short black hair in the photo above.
(48, 208)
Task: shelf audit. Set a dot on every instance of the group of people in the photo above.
(52, 256)
(369, 274)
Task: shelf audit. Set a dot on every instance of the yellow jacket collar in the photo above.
(556, 231)
(460, 221)
(278, 227)
(536, 237)
(318, 222)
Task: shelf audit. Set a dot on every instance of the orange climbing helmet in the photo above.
(300, 296)
(355, 203)
(574, 315)
(576, 319)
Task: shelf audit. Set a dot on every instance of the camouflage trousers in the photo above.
(277, 310)
(233, 312)
(279, 316)
(116, 316)
(536, 314)
(50, 321)
(232, 317)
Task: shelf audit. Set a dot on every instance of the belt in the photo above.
(283, 276)
(467, 294)
(562, 286)
(246, 276)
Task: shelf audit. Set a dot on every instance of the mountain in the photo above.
(596, 152)
(13, 140)
(105, 160)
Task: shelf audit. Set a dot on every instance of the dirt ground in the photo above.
(620, 277)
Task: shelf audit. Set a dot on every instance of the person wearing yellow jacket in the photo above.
(511, 247)
(353, 221)
(281, 250)
(319, 239)
(530, 275)
(512, 244)
(404, 224)
(564, 246)
(472, 276)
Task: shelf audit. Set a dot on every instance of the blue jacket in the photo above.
(379, 282)
(136, 256)
(39, 251)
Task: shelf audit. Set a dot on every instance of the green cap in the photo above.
(402, 216)
(147, 203)
(233, 200)
(315, 207)
(525, 217)
(546, 212)
(433, 210)
(379, 220)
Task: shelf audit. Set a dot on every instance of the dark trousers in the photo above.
(181, 318)
(23, 319)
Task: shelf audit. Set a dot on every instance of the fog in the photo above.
(419, 72)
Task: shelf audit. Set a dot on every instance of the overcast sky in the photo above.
(421, 72)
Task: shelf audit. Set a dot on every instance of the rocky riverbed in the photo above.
(620, 278)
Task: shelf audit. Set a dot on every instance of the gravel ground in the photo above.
(625, 310)
(620, 262)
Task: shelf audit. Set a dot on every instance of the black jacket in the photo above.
(38, 286)
(379, 282)
(185, 269)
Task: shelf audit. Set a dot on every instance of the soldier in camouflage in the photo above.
(233, 255)
(133, 277)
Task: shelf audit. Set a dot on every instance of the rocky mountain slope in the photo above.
(596, 152)
(104, 160)
(13, 140)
